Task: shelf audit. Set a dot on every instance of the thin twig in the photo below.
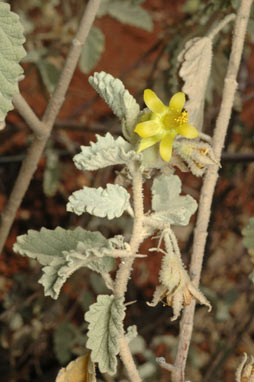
(221, 25)
(30, 163)
(38, 127)
(208, 188)
(125, 267)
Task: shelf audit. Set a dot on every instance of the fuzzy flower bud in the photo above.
(197, 154)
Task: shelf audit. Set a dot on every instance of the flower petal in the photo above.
(148, 128)
(153, 102)
(188, 131)
(177, 102)
(166, 147)
(148, 142)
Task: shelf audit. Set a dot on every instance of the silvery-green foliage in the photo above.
(105, 319)
(169, 206)
(196, 59)
(110, 202)
(107, 151)
(122, 103)
(11, 53)
(62, 252)
(127, 12)
(92, 50)
(105, 248)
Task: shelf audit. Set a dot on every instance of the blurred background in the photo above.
(137, 41)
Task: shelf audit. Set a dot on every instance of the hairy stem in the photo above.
(34, 153)
(125, 267)
(137, 234)
(209, 184)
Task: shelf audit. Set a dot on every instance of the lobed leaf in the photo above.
(196, 59)
(170, 207)
(11, 53)
(122, 103)
(105, 319)
(62, 252)
(110, 202)
(107, 151)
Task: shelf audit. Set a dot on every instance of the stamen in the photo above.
(182, 119)
(204, 151)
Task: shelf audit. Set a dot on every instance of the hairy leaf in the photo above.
(127, 12)
(196, 59)
(248, 233)
(81, 369)
(168, 204)
(123, 105)
(107, 151)
(11, 53)
(110, 202)
(62, 252)
(105, 319)
(92, 50)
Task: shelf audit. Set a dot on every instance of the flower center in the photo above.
(181, 119)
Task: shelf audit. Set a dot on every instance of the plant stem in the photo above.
(34, 153)
(125, 267)
(137, 233)
(38, 127)
(128, 361)
(209, 184)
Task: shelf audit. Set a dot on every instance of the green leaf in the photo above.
(248, 233)
(107, 151)
(49, 73)
(63, 338)
(92, 50)
(127, 12)
(11, 53)
(62, 252)
(122, 103)
(110, 202)
(168, 204)
(105, 319)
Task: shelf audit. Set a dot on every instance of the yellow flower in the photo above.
(165, 122)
